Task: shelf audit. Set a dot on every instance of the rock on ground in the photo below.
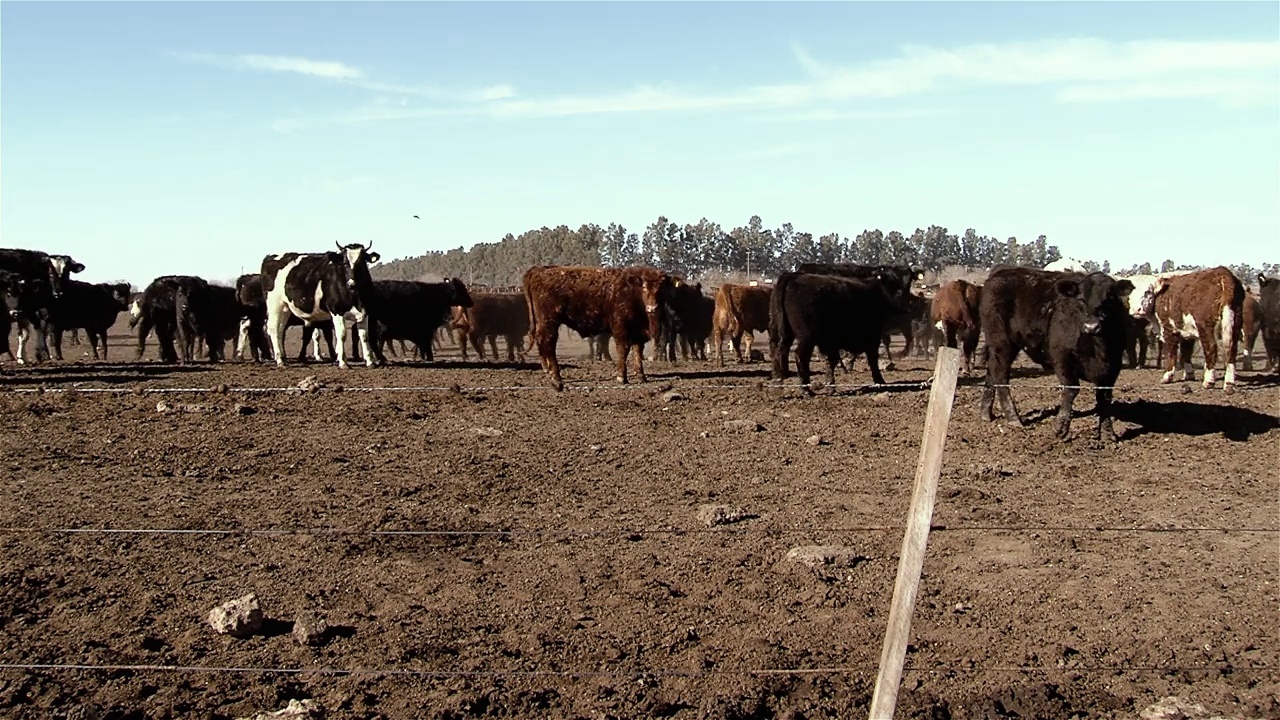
(743, 426)
(722, 514)
(310, 629)
(238, 618)
(295, 710)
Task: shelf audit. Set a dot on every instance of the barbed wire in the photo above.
(651, 386)
(631, 532)
(956, 668)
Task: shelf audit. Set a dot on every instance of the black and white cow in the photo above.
(253, 323)
(11, 288)
(43, 276)
(316, 287)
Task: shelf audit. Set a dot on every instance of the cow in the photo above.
(412, 310)
(956, 314)
(915, 311)
(740, 311)
(831, 313)
(906, 275)
(93, 308)
(1073, 324)
(1250, 326)
(697, 328)
(625, 302)
(316, 287)
(12, 288)
(207, 312)
(1269, 307)
(681, 322)
(43, 278)
(498, 314)
(253, 323)
(156, 309)
(1204, 304)
(1142, 335)
(1066, 264)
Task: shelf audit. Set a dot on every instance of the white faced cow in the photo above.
(316, 287)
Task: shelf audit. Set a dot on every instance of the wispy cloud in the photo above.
(278, 63)
(1074, 70)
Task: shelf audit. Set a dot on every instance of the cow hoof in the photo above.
(1229, 389)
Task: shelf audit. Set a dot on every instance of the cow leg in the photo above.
(23, 334)
(833, 359)
(1170, 352)
(997, 386)
(741, 346)
(640, 376)
(1102, 396)
(144, 329)
(1209, 344)
(804, 358)
(547, 338)
(1070, 388)
(493, 346)
(1143, 344)
(57, 342)
(873, 360)
(1185, 348)
(910, 338)
(277, 318)
(970, 346)
(340, 339)
(624, 348)
(372, 354)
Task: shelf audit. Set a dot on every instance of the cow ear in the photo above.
(373, 257)
(77, 267)
(1068, 288)
(1160, 286)
(1122, 289)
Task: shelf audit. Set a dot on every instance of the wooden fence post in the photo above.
(911, 557)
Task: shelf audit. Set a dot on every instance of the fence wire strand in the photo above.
(957, 668)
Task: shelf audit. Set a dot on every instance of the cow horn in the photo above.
(369, 246)
(335, 242)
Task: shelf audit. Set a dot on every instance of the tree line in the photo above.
(704, 251)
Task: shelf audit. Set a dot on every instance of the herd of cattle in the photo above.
(1078, 324)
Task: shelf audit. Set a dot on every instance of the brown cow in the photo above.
(955, 314)
(495, 314)
(591, 300)
(740, 311)
(1205, 304)
(458, 328)
(1251, 325)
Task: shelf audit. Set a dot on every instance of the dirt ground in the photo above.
(587, 586)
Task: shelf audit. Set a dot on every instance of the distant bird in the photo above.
(415, 217)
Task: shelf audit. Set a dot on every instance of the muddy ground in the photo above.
(607, 597)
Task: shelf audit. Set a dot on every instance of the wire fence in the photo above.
(957, 668)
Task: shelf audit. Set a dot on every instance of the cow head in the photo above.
(1147, 303)
(12, 286)
(120, 294)
(896, 288)
(135, 311)
(458, 293)
(354, 260)
(656, 290)
(1101, 297)
(60, 268)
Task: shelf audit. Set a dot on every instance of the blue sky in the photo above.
(181, 137)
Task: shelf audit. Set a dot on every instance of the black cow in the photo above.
(1074, 324)
(156, 309)
(905, 275)
(316, 287)
(88, 307)
(43, 278)
(208, 312)
(831, 313)
(253, 323)
(412, 310)
(1269, 305)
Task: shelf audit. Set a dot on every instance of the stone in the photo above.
(714, 515)
(671, 396)
(295, 710)
(742, 426)
(238, 618)
(816, 440)
(487, 431)
(310, 629)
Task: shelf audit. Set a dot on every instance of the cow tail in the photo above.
(777, 307)
(533, 321)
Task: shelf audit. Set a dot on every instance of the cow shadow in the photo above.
(1260, 381)
(467, 364)
(119, 374)
(673, 372)
(1237, 424)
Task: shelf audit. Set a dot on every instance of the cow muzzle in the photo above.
(651, 308)
(1092, 326)
(351, 283)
